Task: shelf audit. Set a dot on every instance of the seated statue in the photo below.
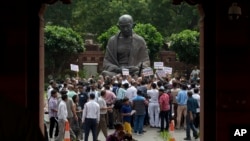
(125, 50)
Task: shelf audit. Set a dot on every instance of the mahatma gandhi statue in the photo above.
(125, 50)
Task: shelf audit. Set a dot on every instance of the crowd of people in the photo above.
(123, 103)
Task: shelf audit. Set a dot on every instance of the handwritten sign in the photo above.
(74, 67)
(125, 72)
(158, 65)
(147, 72)
(168, 70)
(161, 73)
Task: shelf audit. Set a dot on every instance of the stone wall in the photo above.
(93, 54)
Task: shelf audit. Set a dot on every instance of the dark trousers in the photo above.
(146, 118)
(170, 112)
(190, 125)
(197, 120)
(90, 124)
(164, 116)
(175, 113)
(53, 123)
(111, 119)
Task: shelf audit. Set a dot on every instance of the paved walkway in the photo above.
(151, 134)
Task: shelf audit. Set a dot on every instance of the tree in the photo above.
(61, 44)
(152, 37)
(169, 18)
(96, 16)
(59, 14)
(186, 45)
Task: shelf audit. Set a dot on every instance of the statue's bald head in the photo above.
(125, 24)
(125, 19)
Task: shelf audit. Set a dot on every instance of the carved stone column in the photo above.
(201, 29)
(41, 66)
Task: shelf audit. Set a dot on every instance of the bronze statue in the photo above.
(125, 50)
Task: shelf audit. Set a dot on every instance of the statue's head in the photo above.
(125, 24)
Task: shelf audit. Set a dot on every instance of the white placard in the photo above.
(74, 67)
(147, 72)
(168, 70)
(161, 73)
(158, 65)
(125, 72)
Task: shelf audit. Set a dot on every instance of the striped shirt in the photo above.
(52, 106)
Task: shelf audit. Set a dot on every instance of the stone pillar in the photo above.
(201, 29)
(41, 67)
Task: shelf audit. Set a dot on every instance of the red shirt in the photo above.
(164, 102)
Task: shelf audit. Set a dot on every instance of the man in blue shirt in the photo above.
(139, 103)
(192, 104)
(181, 100)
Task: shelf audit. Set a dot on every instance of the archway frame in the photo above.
(41, 62)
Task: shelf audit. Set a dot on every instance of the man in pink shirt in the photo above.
(164, 109)
(110, 100)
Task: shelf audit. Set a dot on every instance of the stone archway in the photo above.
(197, 3)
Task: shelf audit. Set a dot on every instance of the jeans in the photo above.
(164, 116)
(138, 123)
(190, 125)
(90, 124)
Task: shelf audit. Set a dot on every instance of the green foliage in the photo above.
(60, 45)
(104, 37)
(82, 73)
(59, 14)
(97, 16)
(152, 37)
(165, 135)
(169, 18)
(186, 46)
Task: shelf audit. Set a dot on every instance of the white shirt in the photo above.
(197, 97)
(154, 94)
(102, 104)
(125, 81)
(91, 110)
(62, 111)
(197, 72)
(131, 93)
(49, 93)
